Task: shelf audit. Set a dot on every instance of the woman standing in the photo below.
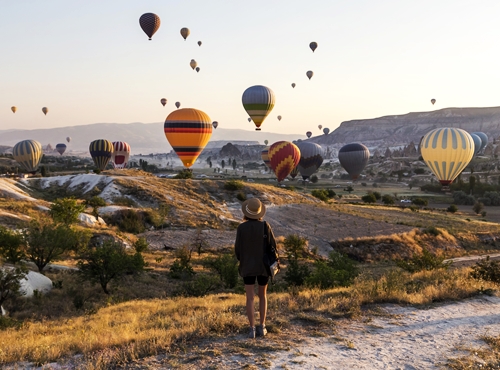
(249, 249)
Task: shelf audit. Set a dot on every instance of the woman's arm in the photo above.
(237, 244)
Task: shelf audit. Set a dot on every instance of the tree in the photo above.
(387, 199)
(478, 207)
(184, 174)
(223, 164)
(472, 183)
(95, 202)
(47, 241)
(349, 189)
(210, 164)
(103, 263)
(43, 171)
(10, 282)
(66, 210)
(10, 246)
(377, 195)
(369, 198)
(234, 164)
(314, 179)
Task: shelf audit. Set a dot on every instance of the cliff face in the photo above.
(402, 129)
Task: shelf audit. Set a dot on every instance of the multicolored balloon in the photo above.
(313, 45)
(433, 101)
(215, 124)
(284, 157)
(178, 104)
(309, 134)
(101, 151)
(354, 158)
(264, 155)
(163, 101)
(28, 153)
(258, 101)
(309, 74)
(185, 32)
(13, 109)
(149, 23)
(326, 130)
(311, 158)
(447, 151)
(121, 154)
(61, 148)
(484, 139)
(188, 130)
(45, 110)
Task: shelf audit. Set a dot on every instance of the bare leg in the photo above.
(263, 304)
(249, 289)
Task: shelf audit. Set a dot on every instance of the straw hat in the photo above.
(253, 208)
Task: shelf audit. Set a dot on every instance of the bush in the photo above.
(491, 198)
(226, 266)
(459, 197)
(313, 179)
(66, 210)
(320, 194)
(130, 221)
(295, 246)
(141, 245)
(478, 207)
(387, 199)
(200, 286)
(10, 282)
(10, 246)
(124, 201)
(425, 261)
(487, 270)
(296, 274)
(339, 270)
(241, 196)
(364, 184)
(184, 174)
(452, 208)
(181, 268)
(420, 202)
(369, 198)
(232, 185)
(377, 195)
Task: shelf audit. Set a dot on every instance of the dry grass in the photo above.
(487, 358)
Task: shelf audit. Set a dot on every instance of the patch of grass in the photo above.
(479, 358)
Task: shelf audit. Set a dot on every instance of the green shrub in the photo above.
(387, 199)
(460, 197)
(295, 246)
(199, 286)
(452, 208)
(339, 270)
(313, 179)
(425, 261)
(181, 268)
(431, 230)
(241, 196)
(124, 201)
(131, 221)
(487, 270)
(184, 174)
(369, 198)
(10, 282)
(420, 202)
(331, 193)
(141, 245)
(226, 266)
(478, 207)
(232, 185)
(377, 195)
(320, 194)
(66, 210)
(10, 246)
(296, 273)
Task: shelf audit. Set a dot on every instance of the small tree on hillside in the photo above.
(223, 164)
(10, 246)
(478, 207)
(95, 202)
(472, 183)
(349, 189)
(234, 164)
(66, 210)
(314, 179)
(10, 282)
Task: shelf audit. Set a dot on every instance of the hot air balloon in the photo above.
(163, 101)
(266, 142)
(353, 158)
(28, 154)
(45, 110)
(279, 118)
(249, 119)
(433, 101)
(101, 151)
(61, 148)
(197, 69)
(311, 158)
(484, 139)
(313, 45)
(258, 101)
(199, 43)
(320, 127)
(309, 134)
(185, 33)
(68, 139)
(149, 23)
(477, 143)
(264, 154)
(13, 109)
(447, 151)
(177, 104)
(188, 130)
(284, 157)
(121, 154)
(293, 85)
(193, 63)
(215, 124)
(326, 130)
(294, 172)
(309, 74)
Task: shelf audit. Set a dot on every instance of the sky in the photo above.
(88, 61)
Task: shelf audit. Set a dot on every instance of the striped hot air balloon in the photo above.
(284, 157)
(61, 148)
(484, 139)
(447, 151)
(311, 158)
(354, 158)
(28, 153)
(264, 154)
(121, 154)
(149, 23)
(101, 151)
(188, 130)
(258, 101)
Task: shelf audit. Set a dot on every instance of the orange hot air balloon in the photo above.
(188, 130)
(284, 157)
(163, 101)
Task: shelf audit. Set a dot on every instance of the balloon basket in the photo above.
(257, 129)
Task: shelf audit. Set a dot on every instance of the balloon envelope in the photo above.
(433, 101)
(121, 154)
(61, 148)
(284, 157)
(258, 101)
(28, 154)
(294, 172)
(45, 110)
(188, 130)
(215, 124)
(266, 142)
(309, 74)
(311, 158)
(293, 85)
(149, 23)
(279, 118)
(447, 151)
(199, 43)
(197, 69)
(13, 109)
(354, 158)
(68, 139)
(320, 127)
(163, 101)
(193, 63)
(177, 104)
(101, 151)
(313, 45)
(326, 130)
(484, 139)
(185, 32)
(264, 155)
(477, 143)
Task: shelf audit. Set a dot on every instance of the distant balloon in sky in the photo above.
(326, 130)
(28, 154)
(197, 69)
(309, 134)
(258, 101)
(68, 139)
(163, 101)
(188, 130)
(249, 119)
(309, 74)
(177, 104)
(293, 85)
(101, 151)
(199, 43)
(13, 109)
(215, 124)
(477, 143)
(433, 101)
(320, 127)
(185, 32)
(284, 157)
(447, 151)
(193, 64)
(45, 110)
(266, 142)
(121, 154)
(61, 148)
(313, 45)
(150, 23)
(484, 139)
(279, 118)
(354, 158)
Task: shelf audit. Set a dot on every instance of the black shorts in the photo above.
(250, 280)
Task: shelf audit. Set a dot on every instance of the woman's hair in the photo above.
(245, 218)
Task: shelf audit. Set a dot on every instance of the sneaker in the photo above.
(261, 331)
(251, 333)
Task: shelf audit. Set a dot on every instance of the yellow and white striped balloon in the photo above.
(28, 153)
(447, 151)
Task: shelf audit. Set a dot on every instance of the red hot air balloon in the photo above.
(121, 154)
(284, 157)
(149, 23)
